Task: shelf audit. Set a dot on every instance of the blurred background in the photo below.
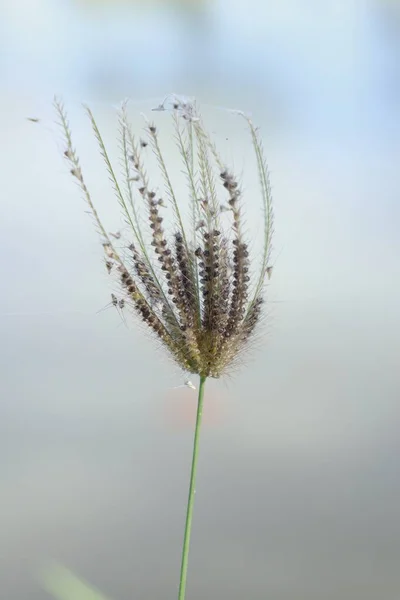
(299, 484)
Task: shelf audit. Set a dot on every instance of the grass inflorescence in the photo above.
(193, 283)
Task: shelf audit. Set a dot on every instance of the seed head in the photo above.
(195, 286)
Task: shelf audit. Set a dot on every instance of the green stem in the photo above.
(192, 490)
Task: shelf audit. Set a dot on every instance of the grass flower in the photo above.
(191, 279)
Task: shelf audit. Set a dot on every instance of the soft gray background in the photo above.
(299, 484)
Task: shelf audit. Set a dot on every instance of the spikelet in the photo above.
(191, 285)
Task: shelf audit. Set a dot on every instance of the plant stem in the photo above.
(192, 490)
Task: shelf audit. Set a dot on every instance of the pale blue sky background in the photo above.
(298, 487)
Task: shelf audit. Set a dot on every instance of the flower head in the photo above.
(193, 283)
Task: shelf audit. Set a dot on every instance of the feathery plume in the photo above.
(190, 285)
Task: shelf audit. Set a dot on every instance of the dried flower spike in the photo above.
(194, 292)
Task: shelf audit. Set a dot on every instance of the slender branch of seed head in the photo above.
(76, 170)
(135, 153)
(214, 273)
(211, 278)
(207, 180)
(188, 284)
(165, 257)
(126, 166)
(223, 287)
(145, 259)
(152, 132)
(111, 173)
(240, 259)
(239, 293)
(187, 156)
(221, 290)
(188, 161)
(267, 201)
(190, 151)
(214, 151)
(206, 272)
